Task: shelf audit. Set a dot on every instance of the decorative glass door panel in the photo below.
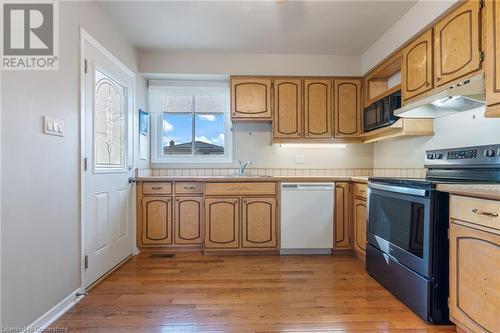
(110, 123)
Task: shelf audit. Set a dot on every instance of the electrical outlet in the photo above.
(53, 126)
(300, 159)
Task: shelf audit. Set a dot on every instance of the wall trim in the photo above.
(53, 314)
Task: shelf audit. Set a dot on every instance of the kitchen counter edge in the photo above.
(483, 191)
(356, 179)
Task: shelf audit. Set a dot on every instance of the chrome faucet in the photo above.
(243, 166)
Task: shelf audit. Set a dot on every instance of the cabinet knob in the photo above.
(438, 78)
(427, 84)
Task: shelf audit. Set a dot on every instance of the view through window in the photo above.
(194, 125)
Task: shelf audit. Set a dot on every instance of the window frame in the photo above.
(157, 156)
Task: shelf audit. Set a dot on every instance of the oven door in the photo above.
(399, 221)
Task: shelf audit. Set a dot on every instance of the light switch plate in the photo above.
(53, 127)
(300, 159)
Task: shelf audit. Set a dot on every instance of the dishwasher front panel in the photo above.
(307, 214)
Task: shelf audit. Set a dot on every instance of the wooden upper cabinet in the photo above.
(317, 108)
(222, 216)
(288, 108)
(259, 223)
(251, 99)
(492, 58)
(342, 216)
(188, 220)
(156, 221)
(457, 44)
(474, 278)
(359, 219)
(347, 99)
(416, 67)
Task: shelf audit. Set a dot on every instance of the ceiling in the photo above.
(277, 27)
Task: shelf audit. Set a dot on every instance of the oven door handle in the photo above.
(399, 189)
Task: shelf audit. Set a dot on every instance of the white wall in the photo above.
(141, 102)
(256, 147)
(252, 142)
(248, 64)
(40, 245)
(417, 18)
(467, 128)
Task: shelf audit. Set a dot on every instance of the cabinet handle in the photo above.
(438, 78)
(189, 187)
(428, 84)
(362, 191)
(482, 212)
(235, 201)
(156, 187)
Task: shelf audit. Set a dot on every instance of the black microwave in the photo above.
(381, 113)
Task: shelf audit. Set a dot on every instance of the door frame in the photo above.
(85, 37)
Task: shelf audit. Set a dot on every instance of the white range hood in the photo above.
(461, 96)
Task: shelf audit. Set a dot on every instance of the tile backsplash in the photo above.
(406, 173)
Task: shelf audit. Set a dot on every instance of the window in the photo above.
(191, 122)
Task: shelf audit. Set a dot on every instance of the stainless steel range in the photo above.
(407, 250)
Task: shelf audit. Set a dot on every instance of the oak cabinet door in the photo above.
(359, 219)
(416, 71)
(222, 217)
(317, 108)
(156, 221)
(259, 223)
(188, 220)
(492, 57)
(347, 99)
(457, 44)
(474, 278)
(287, 108)
(251, 99)
(342, 216)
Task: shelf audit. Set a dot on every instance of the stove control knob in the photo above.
(438, 156)
(489, 153)
(430, 156)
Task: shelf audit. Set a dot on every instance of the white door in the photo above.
(108, 149)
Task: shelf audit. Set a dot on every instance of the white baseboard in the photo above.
(53, 314)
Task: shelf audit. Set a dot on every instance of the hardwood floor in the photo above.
(196, 293)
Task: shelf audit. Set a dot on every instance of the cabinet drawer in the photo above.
(359, 190)
(188, 187)
(240, 188)
(478, 211)
(156, 188)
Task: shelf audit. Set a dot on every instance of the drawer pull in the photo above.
(189, 187)
(481, 212)
(156, 187)
(362, 191)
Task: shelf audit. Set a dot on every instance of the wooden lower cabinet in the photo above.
(474, 278)
(259, 223)
(222, 223)
(188, 220)
(359, 220)
(342, 238)
(238, 223)
(156, 221)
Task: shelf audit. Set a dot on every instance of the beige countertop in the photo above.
(357, 179)
(485, 191)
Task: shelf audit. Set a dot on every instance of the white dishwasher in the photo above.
(307, 212)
